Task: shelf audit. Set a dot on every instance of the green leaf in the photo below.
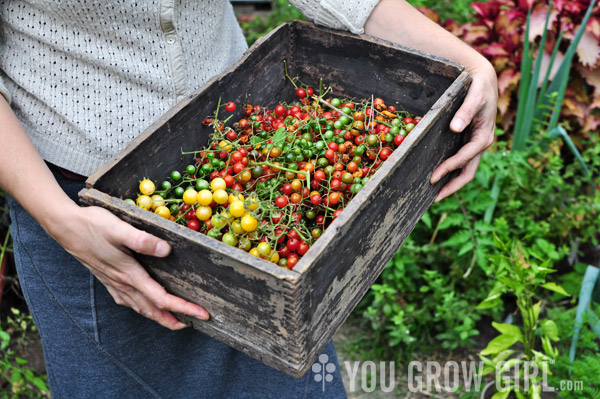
(466, 248)
(279, 137)
(458, 238)
(520, 135)
(453, 219)
(254, 140)
(547, 345)
(556, 288)
(537, 308)
(499, 344)
(503, 355)
(550, 329)
(501, 395)
(5, 339)
(426, 219)
(520, 395)
(592, 275)
(508, 329)
(559, 83)
(20, 361)
(560, 131)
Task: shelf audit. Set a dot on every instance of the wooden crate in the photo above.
(282, 317)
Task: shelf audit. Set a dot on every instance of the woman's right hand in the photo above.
(104, 244)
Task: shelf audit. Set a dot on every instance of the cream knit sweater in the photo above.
(85, 77)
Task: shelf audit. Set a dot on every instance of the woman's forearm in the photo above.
(26, 177)
(399, 22)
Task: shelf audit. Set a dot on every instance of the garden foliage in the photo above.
(431, 287)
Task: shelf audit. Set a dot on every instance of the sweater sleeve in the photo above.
(4, 91)
(348, 15)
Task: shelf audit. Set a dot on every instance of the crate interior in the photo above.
(352, 67)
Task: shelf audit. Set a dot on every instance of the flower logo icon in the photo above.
(323, 370)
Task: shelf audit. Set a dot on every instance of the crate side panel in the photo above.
(251, 310)
(360, 68)
(375, 228)
(260, 76)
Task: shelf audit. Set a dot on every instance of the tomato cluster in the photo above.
(272, 182)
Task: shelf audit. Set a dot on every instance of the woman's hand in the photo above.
(479, 111)
(104, 244)
(399, 22)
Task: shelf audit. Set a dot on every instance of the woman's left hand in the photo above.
(479, 111)
(399, 22)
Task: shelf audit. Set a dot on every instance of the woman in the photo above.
(79, 80)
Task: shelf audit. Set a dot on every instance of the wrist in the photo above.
(59, 219)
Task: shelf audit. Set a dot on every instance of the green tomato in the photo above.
(230, 239)
(214, 233)
(190, 169)
(175, 176)
(202, 184)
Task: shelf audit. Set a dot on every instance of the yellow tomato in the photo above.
(189, 196)
(163, 212)
(143, 201)
(236, 208)
(235, 197)
(274, 257)
(225, 145)
(147, 187)
(249, 223)
(252, 203)
(204, 212)
(218, 221)
(218, 184)
(204, 197)
(254, 252)
(220, 196)
(157, 201)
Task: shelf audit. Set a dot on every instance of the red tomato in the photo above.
(281, 202)
(230, 106)
(300, 92)
(194, 225)
(304, 246)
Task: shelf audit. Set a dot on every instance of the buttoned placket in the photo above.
(174, 48)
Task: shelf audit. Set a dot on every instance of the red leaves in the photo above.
(498, 33)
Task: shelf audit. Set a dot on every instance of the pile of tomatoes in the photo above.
(271, 182)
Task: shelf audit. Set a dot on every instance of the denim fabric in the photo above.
(96, 349)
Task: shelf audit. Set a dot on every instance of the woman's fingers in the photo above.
(478, 144)
(466, 176)
(110, 259)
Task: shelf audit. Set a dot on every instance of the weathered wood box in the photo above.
(283, 317)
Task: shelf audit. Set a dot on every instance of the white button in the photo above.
(171, 40)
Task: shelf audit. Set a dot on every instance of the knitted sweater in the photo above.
(85, 77)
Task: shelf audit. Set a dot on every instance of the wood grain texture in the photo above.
(284, 318)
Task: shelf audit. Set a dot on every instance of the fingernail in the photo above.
(434, 179)
(203, 315)
(457, 125)
(181, 325)
(162, 249)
